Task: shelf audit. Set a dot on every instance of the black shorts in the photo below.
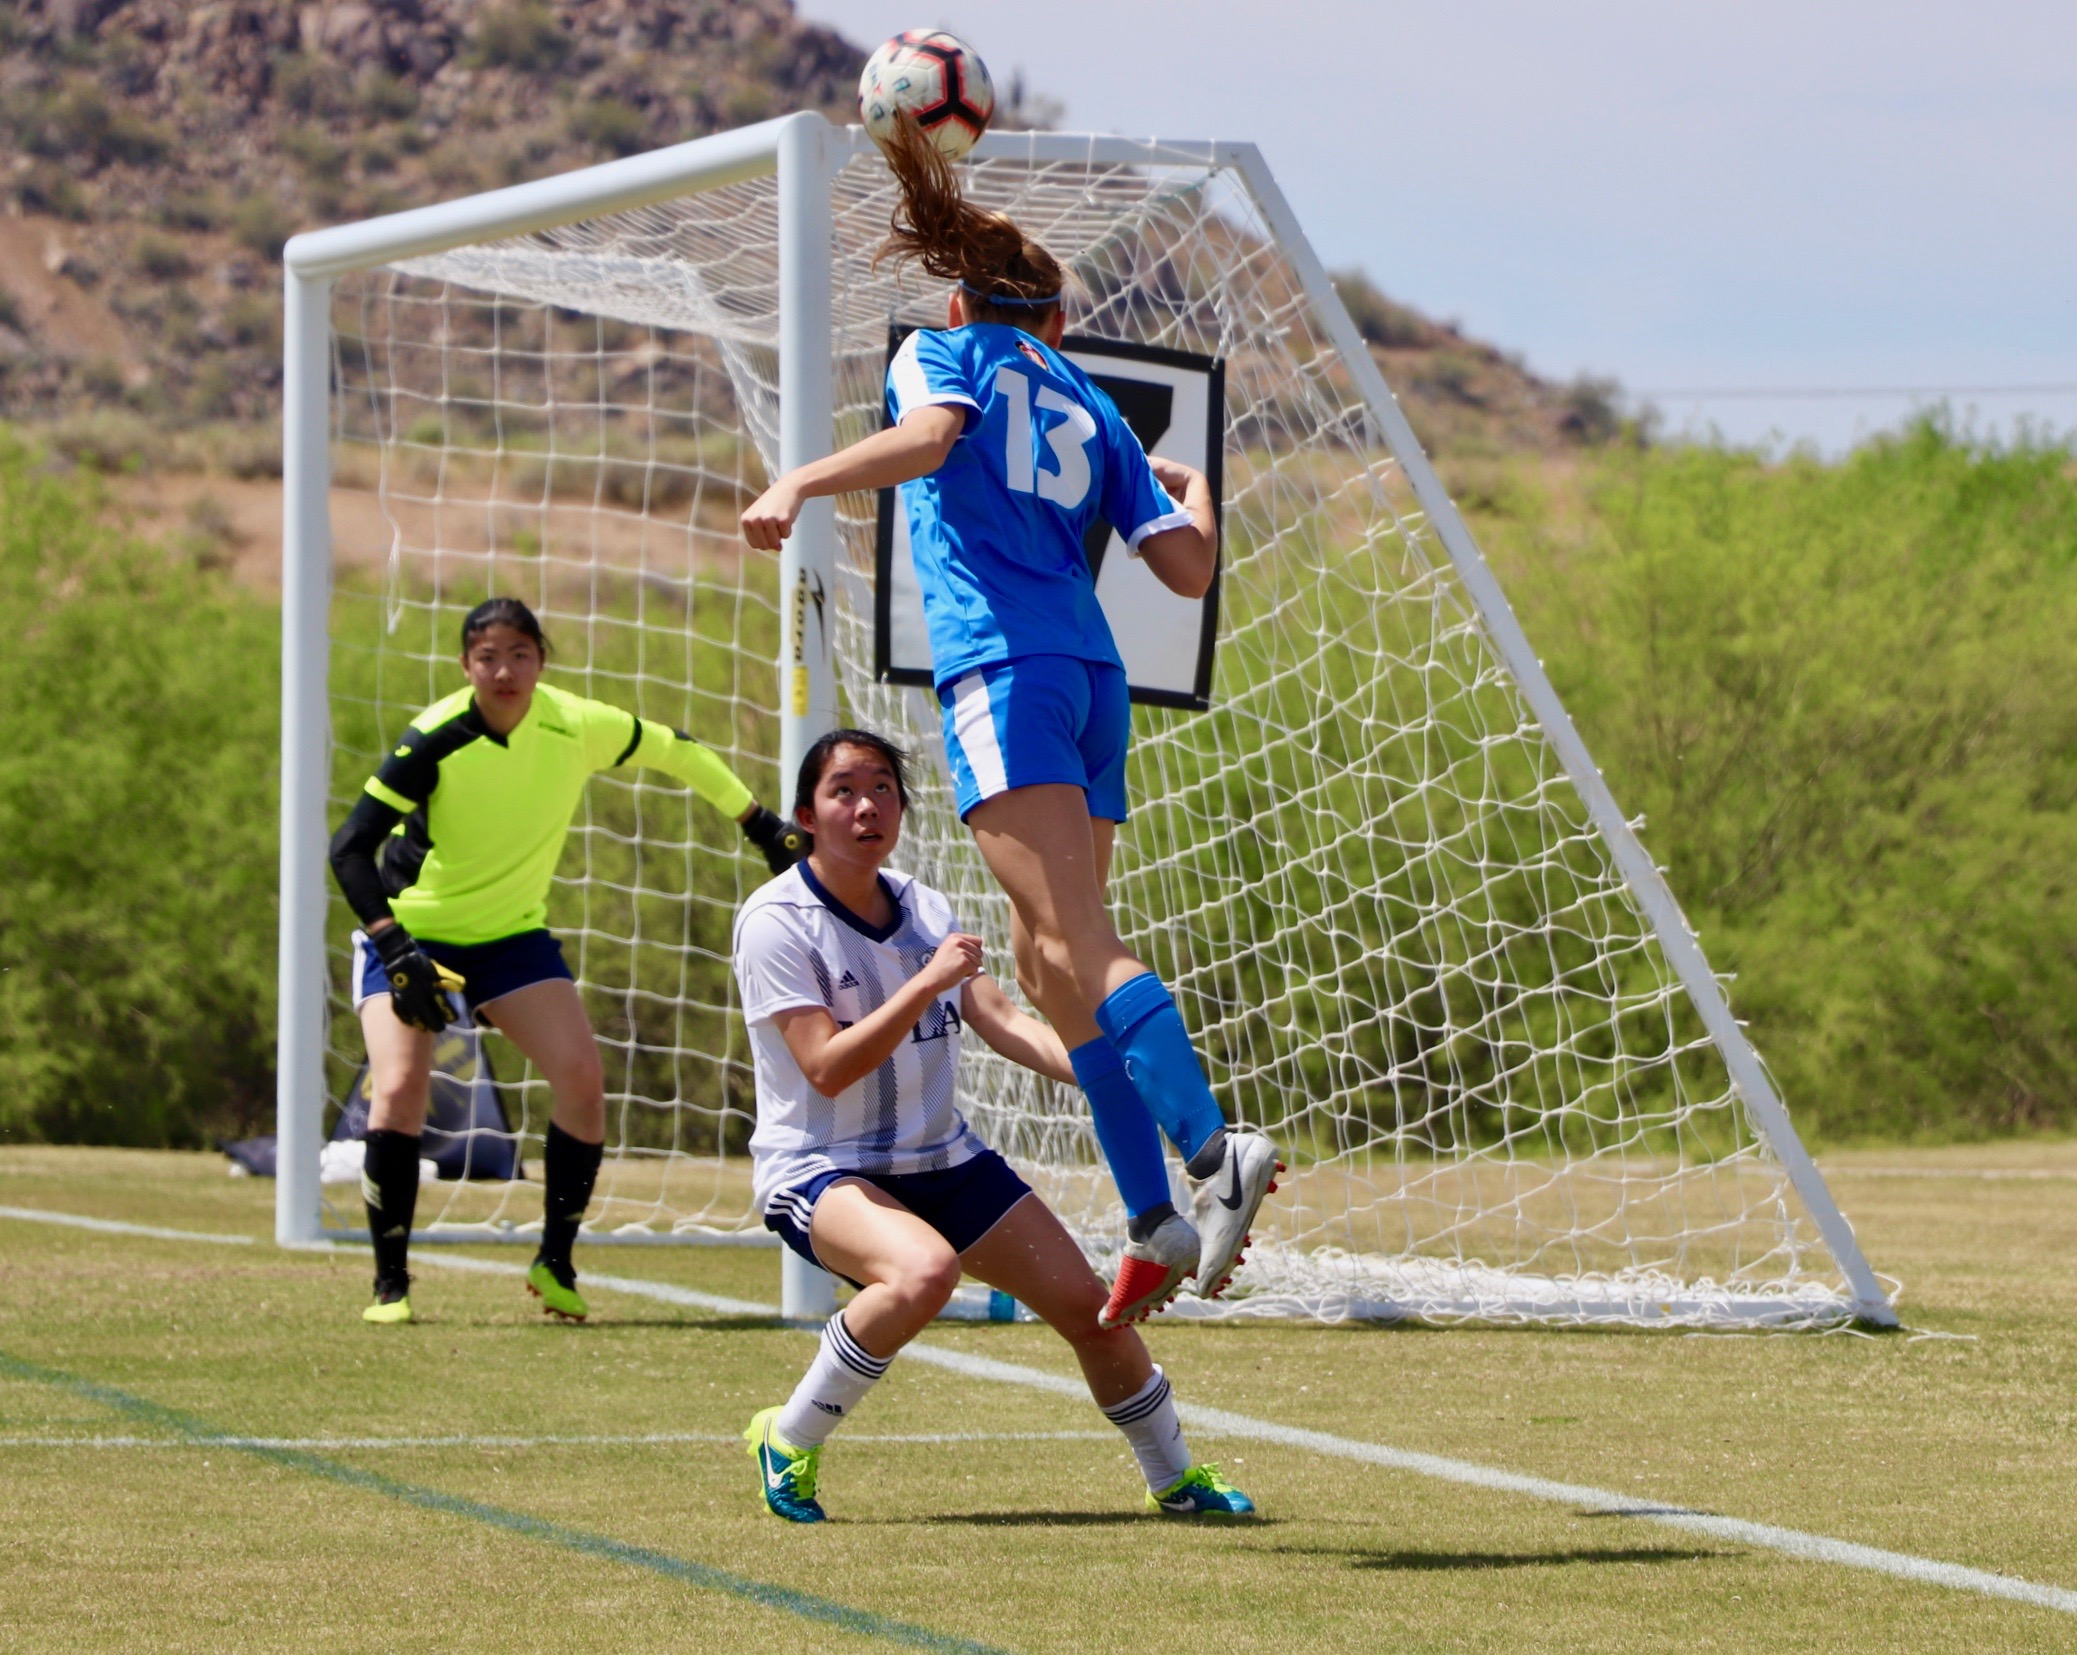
(487, 969)
(961, 1203)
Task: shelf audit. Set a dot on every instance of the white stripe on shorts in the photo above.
(973, 722)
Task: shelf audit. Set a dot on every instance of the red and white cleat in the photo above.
(1151, 1272)
(1225, 1205)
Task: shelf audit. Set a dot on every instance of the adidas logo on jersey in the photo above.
(847, 981)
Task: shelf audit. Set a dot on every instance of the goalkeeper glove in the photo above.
(418, 985)
(781, 841)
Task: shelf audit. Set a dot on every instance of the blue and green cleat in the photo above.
(1201, 1492)
(786, 1475)
(558, 1297)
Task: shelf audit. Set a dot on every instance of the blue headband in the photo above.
(1004, 299)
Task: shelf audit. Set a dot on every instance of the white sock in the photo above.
(835, 1383)
(1148, 1419)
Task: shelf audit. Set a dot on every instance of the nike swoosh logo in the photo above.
(1232, 1202)
(776, 1483)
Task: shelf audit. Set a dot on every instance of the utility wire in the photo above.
(1814, 393)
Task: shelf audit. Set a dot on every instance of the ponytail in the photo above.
(1006, 276)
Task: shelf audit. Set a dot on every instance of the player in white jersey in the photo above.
(857, 985)
(1007, 453)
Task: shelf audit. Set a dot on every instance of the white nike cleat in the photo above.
(1225, 1205)
(1151, 1272)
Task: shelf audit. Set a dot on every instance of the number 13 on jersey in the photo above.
(1068, 485)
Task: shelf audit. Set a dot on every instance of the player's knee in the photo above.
(580, 1085)
(1073, 1316)
(926, 1281)
(1053, 960)
(396, 1097)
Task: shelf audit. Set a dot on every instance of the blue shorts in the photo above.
(1042, 718)
(487, 969)
(961, 1203)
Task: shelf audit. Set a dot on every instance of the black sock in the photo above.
(569, 1169)
(1211, 1154)
(1141, 1225)
(389, 1186)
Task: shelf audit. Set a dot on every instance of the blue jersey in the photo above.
(997, 530)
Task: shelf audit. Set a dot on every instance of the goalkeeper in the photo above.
(1006, 453)
(446, 860)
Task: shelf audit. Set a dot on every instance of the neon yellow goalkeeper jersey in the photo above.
(485, 816)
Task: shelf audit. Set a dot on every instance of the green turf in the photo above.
(1954, 1449)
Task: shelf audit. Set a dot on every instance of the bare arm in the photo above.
(1185, 558)
(834, 1058)
(914, 448)
(1021, 1038)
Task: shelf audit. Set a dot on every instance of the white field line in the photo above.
(320, 1445)
(109, 1226)
(1810, 1548)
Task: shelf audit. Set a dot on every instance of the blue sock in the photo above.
(1130, 1140)
(1142, 1022)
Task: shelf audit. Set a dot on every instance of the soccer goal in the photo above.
(1413, 933)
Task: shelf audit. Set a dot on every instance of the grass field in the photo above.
(129, 1525)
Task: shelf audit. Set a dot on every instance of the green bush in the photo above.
(518, 34)
(159, 259)
(137, 829)
(262, 224)
(610, 124)
(1845, 700)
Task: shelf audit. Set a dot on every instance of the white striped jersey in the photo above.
(795, 945)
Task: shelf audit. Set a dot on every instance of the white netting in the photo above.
(1384, 912)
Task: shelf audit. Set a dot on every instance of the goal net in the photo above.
(1412, 939)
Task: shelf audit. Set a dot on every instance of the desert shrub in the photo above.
(1843, 697)
(137, 800)
(262, 224)
(609, 124)
(518, 34)
(159, 259)
(1380, 320)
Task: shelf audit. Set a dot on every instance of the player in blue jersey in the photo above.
(1005, 453)
(858, 985)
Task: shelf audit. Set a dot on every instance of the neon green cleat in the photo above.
(785, 1474)
(392, 1306)
(558, 1297)
(1201, 1492)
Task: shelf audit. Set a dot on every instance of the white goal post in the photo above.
(1399, 906)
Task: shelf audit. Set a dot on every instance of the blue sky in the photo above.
(1833, 194)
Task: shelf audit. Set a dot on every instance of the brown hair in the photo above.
(1007, 277)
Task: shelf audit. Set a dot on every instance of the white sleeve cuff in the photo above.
(1177, 519)
(938, 399)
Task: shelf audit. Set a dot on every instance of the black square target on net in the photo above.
(1175, 403)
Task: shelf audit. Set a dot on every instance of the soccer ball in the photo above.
(938, 78)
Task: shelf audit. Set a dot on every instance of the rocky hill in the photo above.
(155, 154)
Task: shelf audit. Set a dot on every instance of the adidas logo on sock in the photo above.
(828, 1407)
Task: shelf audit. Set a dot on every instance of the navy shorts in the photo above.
(487, 969)
(961, 1203)
(1042, 718)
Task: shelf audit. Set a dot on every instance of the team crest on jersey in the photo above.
(1031, 352)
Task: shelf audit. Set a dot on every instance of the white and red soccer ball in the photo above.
(938, 79)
